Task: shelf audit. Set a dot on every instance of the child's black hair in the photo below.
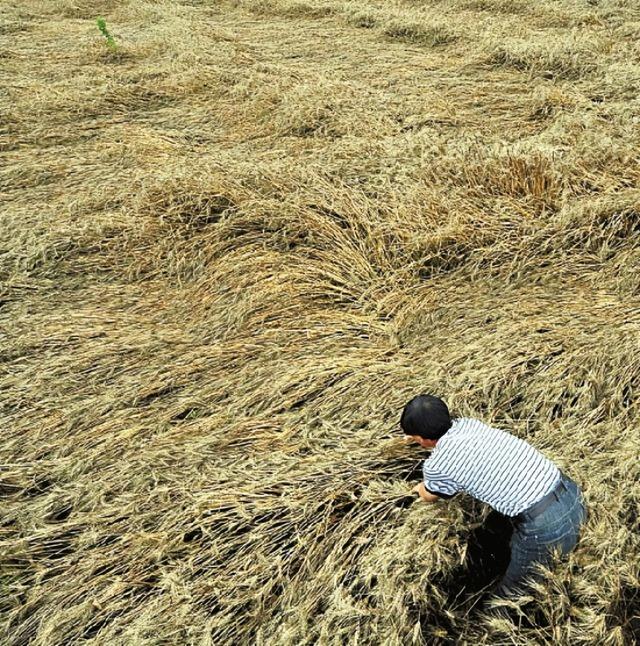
(426, 416)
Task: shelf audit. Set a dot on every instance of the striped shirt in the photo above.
(490, 465)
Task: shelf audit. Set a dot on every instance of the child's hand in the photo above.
(424, 494)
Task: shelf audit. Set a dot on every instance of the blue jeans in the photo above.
(534, 539)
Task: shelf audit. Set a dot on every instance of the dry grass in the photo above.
(233, 248)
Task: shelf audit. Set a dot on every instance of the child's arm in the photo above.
(424, 494)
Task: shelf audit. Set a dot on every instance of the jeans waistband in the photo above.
(541, 505)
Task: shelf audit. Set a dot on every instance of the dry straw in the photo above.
(232, 252)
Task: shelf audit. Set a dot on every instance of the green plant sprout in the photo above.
(102, 26)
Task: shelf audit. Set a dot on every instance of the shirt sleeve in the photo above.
(436, 482)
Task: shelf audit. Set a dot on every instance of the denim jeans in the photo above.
(534, 540)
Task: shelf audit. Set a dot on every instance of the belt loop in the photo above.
(557, 491)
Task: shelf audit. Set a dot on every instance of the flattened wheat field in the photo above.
(236, 237)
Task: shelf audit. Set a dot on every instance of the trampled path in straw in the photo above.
(233, 247)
